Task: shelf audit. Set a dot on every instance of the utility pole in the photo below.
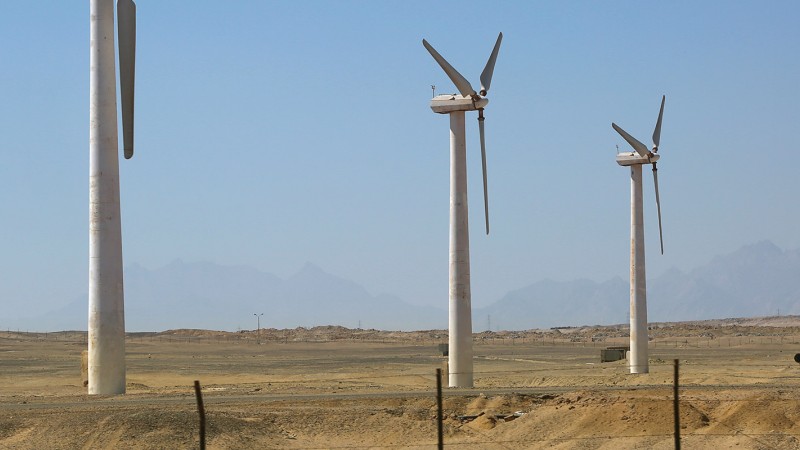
(258, 329)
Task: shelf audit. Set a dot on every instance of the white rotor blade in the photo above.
(638, 146)
(657, 131)
(658, 206)
(461, 83)
(483, 161)
(126, 28)
(486, 75)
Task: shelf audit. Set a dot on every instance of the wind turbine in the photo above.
(106, 299)
(638, 362)
(460, 316)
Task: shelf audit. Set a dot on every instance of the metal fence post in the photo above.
(439, 408)
(202, 413)
(676, 410)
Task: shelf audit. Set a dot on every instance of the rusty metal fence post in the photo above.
(676, 409)
(198, 393)
(439, 408)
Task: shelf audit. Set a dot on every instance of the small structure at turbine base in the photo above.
(85, 368)
(611, 354)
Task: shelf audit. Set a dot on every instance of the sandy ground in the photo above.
(329, 387)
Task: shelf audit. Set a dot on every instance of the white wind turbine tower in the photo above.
(106, 301)
(460, 316)
(638, 362)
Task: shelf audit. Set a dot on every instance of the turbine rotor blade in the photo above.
(638, 146)
(483, 161)
(486, 75)
(658, 206)
(461, 83)
(126, 27)
(657, 131)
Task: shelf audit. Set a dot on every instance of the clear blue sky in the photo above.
(274, 133)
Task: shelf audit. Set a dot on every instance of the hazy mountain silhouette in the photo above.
(756, 280)
(550, 303)
(212, 296)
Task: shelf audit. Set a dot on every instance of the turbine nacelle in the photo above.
(633, 158)
(447, 103)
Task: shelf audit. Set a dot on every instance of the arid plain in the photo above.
(330, 387)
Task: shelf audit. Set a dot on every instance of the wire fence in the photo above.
(635, 418)
(440, 337)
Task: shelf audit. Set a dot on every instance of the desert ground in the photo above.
(337, 388)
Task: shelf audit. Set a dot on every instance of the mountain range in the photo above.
(205, 295)
(756, 280)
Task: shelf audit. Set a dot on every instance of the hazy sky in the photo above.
(274, 133)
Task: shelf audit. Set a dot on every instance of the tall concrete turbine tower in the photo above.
(460, 303)
(638, 357)
(106, 301)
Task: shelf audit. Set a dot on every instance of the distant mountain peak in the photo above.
(752, 254)
(177, 262)
(672, 272)
(762, 247)
(309, 268)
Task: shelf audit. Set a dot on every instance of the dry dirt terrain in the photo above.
(330, 387)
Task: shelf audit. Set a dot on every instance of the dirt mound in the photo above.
(141, 429)
(762, 413)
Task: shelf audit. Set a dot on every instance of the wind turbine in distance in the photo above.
(638, 362)
(106, 296)
(460, 315)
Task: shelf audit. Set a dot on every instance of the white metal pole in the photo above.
(106, 304)
(460, 336)
(638, 354)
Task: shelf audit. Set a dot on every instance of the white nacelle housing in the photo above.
(633, 158)
(445, 104)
